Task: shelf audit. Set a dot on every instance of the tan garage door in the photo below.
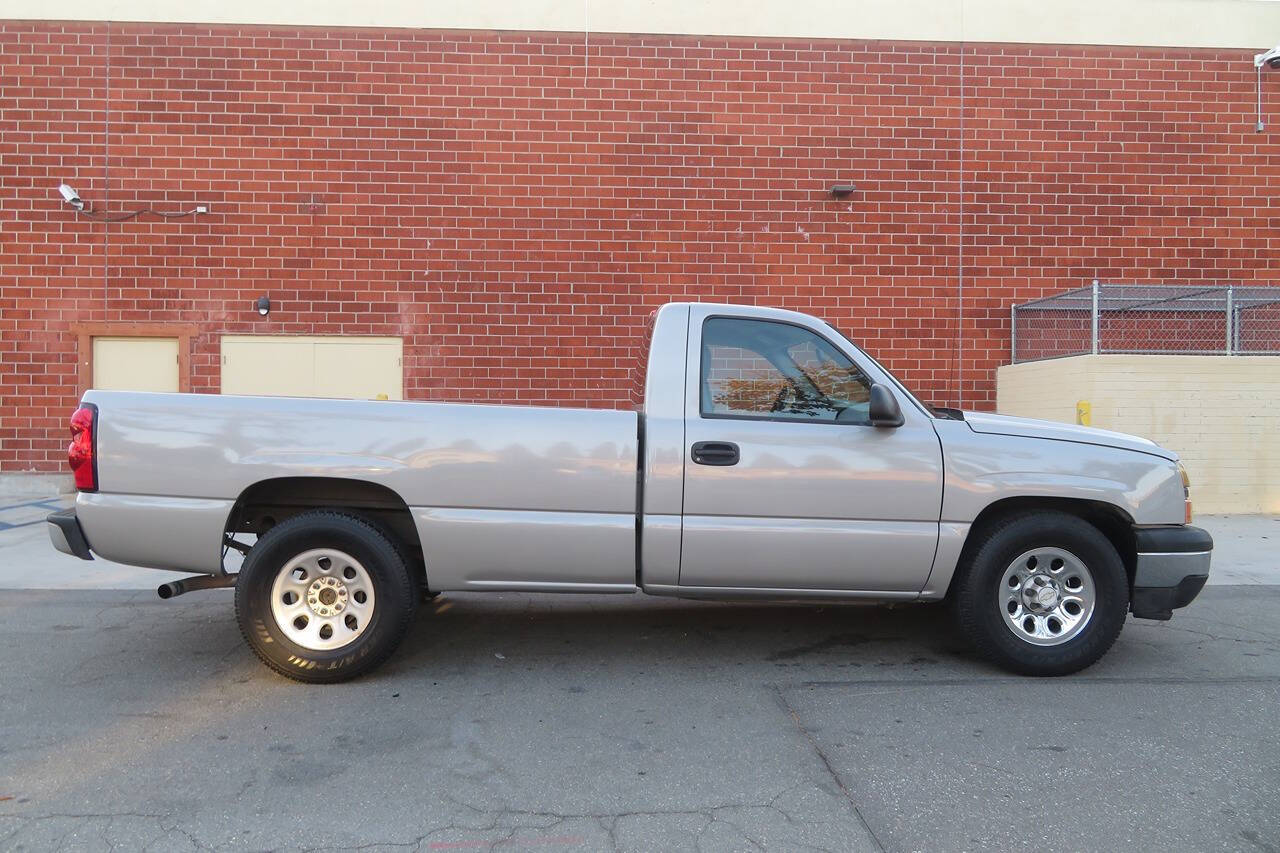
(135, 364)
(311, 366)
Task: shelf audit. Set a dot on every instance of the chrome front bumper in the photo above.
(1172, 567)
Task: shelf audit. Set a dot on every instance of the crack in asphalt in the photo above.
(27, 820)
(518, 820)
(1183, 629)
(826, 762)
(166, 823)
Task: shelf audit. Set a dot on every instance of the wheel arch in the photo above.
(1113, 521)
(266, 503)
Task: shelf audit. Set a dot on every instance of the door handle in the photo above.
(714, 453)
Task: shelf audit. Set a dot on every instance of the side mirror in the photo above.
(883, 408)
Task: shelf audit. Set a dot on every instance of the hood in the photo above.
(1032, 428)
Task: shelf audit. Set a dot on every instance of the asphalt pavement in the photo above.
(627, 722)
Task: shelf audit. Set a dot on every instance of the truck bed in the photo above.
(506, 485)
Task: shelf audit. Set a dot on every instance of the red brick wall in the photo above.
(515, 212)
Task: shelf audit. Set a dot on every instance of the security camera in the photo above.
(1270, 58)
(71, 197)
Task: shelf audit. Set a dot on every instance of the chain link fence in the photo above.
(1156, 319)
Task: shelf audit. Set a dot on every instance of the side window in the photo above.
(763, 369)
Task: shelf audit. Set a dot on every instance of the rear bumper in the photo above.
(1172, 567)
(66, 535)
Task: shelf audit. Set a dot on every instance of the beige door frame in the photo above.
(86, 332)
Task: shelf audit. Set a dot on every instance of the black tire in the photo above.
(395, 597)
(976, 600)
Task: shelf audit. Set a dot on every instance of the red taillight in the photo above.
(80, 451)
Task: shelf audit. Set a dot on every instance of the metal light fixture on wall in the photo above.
(263, 305)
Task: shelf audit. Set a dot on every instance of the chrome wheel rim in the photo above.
(322, 599)
(1047, 596)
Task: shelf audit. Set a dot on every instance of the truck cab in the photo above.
(804, 467)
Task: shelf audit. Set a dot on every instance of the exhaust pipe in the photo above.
(173, 588)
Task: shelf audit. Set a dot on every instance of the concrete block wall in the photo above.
(1219, 413)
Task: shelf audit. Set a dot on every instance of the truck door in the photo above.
(787, 485)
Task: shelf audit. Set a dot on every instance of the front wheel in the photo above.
(1042, 594)
(324, 597)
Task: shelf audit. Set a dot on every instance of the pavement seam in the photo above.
(826, 763)
(1064, 681)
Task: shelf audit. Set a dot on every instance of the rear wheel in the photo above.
(1042, 593)
(324, 597)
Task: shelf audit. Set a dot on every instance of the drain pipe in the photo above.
(174, 588)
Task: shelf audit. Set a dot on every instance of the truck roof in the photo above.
(748, 310)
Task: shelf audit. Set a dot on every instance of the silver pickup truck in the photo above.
(770, 458)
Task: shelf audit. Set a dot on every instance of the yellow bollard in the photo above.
(1084, 413)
